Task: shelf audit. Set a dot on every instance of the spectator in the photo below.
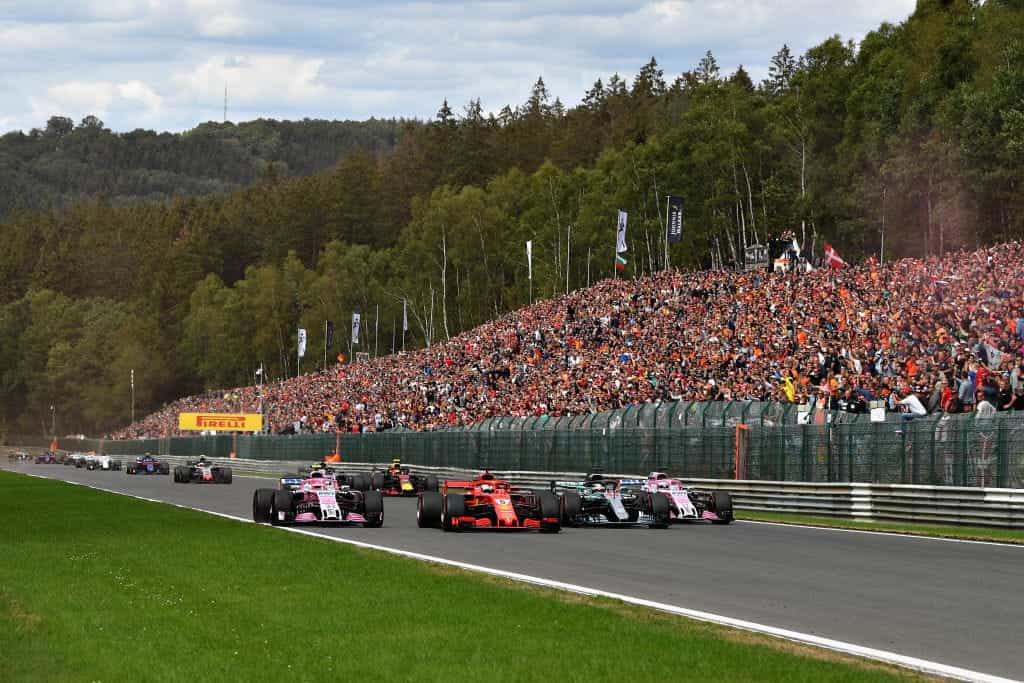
(708, 335)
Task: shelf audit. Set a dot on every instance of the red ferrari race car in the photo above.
(399, 480)
(488, 503)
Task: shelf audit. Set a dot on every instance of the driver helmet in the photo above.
(597, 486)
(487, 488)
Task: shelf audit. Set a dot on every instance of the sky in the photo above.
(164, 64)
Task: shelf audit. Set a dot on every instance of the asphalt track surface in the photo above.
(956, 603)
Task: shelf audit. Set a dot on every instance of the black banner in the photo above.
(330, 334)
(674, 224)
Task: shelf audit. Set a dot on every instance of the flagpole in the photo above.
(376, 326)
(325, 344)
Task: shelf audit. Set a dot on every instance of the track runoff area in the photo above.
(942, 607)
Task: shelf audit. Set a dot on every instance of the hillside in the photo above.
(53, 166)
(913, 137)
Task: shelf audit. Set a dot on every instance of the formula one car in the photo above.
(147, 464)
(47, 458)
(358, 481)
(488, 503)
(101, 462)
(690, 504)
(400, 481)
(598, 501)
(75, 460)
(318, 499)
(202, 472)
(21, 456)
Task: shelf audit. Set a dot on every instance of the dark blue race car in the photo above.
(147, 464)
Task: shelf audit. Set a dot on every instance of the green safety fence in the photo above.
(689, 440)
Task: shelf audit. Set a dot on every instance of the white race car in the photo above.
(101, 462)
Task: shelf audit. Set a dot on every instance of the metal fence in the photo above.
(723, 440)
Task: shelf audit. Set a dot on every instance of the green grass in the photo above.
(963, 532)
(101, 587)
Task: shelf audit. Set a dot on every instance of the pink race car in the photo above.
(318, 499)
(688, 504)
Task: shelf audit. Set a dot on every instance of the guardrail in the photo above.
(867, 502)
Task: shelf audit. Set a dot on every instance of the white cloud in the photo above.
(251, 80)
(164, 63)
(81, 98)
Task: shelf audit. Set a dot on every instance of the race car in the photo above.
(147, 464)
(318, 499)
(101, 462)
(599, 501)
(398, 480)
(21, 456)
(358, 481)
(488, 503)
(76, 460)
(688, 504)
(202, 472)
(47, 458)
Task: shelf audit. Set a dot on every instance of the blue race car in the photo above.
(147, 464)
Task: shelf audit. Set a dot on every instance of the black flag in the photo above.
(330, 334)
(674, 225)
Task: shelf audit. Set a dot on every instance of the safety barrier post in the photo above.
(741, 447)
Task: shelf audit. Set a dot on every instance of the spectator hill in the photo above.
(938, 334)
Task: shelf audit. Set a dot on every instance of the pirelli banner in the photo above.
(220, 422)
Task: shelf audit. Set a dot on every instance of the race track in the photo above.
(956, 603)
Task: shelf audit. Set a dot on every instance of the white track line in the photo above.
(894, 534)
(922, 665)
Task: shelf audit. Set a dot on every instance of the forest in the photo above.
(908, 143)
(54, 166)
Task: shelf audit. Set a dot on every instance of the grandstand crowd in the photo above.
(923, 335)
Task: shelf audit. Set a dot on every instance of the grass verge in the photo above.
(968, 533)
(101, 587)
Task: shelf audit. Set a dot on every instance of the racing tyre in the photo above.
(454, 507)
(360, 482)
(377, 481)
(223, 475)
(429, 508)
(164, 467)
(549, 508)
(431, 483)
(128, 470)
(373, 503)
(570, 507)
(262, 500)
(282, 502)
(116, 465)
(177, 475)
(723, 507)
(659, 507)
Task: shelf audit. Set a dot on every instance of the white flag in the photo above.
(620, 241)
(259, 370)
(405, 316)
(302, 342)
(529, 257)
(355, 328)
